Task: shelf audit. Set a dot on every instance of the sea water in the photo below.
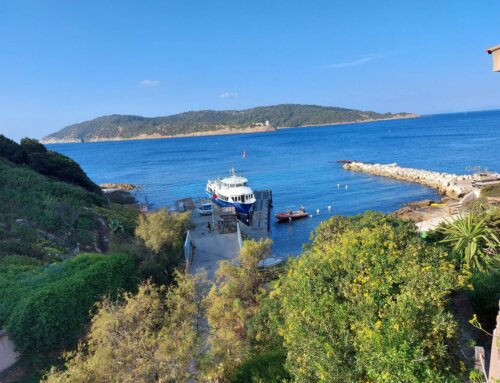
(300, 165)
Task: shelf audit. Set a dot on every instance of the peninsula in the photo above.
(209, 122)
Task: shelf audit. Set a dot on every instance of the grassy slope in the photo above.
(45, 218)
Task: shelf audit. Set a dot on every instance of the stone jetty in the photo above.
(451, 185)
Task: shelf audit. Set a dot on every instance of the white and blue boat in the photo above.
(232, 191)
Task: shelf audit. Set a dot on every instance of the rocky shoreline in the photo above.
(451, 185)
(110, 187)
(459, 191)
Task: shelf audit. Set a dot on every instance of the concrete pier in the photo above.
(210, 246)
(260, 219)
(451, 185)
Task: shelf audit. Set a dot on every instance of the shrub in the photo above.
(49, 310)
(268, 367)
(491, 190)
(368, 303)
(160, 249)
(36, 207)
(486, 295)
(61, 167)
(151, 337)
(49, 163)
(11, 151)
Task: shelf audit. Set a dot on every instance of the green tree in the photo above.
(231, 302)
(162, 228)
(153, 336)
(160, 251)
(368, 303)
(11, 151)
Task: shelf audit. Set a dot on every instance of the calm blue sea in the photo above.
(300, 166)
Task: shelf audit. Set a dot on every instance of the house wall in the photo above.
(496, 60)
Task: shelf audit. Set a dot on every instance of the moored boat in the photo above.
(291, 215)
(232, 191)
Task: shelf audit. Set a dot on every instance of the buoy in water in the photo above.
(346, 186)
(317, 211)
(338, 186)
(329, 208)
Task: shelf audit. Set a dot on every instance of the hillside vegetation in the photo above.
(369, 300)
(287, 115)
(51, 213)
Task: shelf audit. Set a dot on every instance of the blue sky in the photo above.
(62, 62)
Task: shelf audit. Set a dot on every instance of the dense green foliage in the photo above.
(46, 309)
(159, 247)
(152, 337)
(474, 241)
(34, 155)
(231, 302)
(367, 302)
(11, 151)
(47, 215)
(485, 296)
(50, 213)
(41, 217)
(286, 115)
(267, 367)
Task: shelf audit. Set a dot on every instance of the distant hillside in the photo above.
(208, 122)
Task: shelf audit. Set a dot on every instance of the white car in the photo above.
(205, 208)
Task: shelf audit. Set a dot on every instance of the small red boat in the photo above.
(291, 215)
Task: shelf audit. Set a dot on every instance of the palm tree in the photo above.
(473, 242)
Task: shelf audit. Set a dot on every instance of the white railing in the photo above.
(238, 232)
(188, 250)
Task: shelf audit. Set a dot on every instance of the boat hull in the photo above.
(286, 217)
(242, 208)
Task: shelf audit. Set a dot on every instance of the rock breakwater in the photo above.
(451, 185)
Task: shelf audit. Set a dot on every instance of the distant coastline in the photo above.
(396, 117)
(223, 132)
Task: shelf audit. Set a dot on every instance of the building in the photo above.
(495, 52)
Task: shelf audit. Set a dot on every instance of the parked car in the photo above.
(205, 208)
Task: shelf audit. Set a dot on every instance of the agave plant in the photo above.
(115, 226)
(473, 242)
